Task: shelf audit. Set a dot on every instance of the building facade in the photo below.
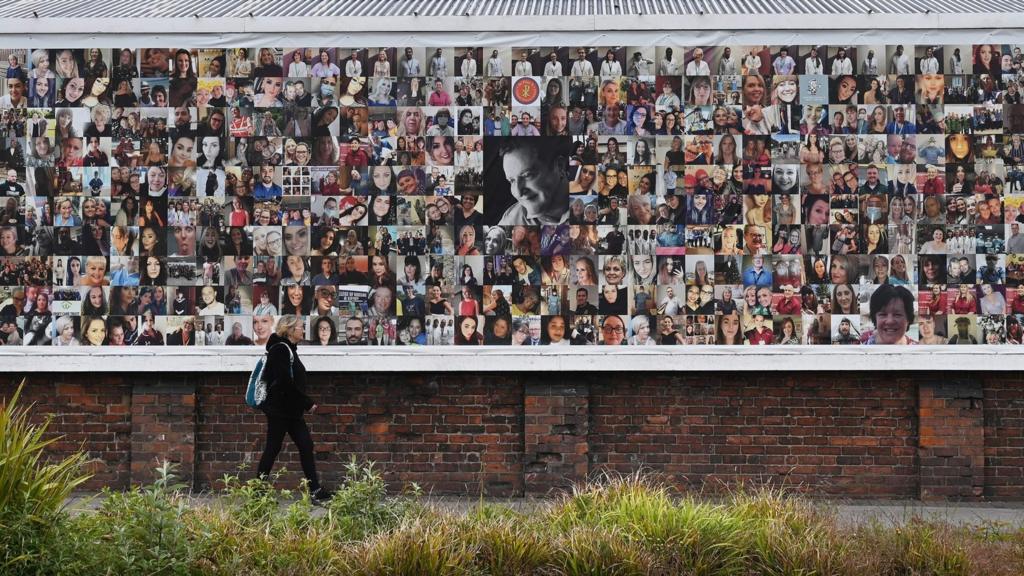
(820, 213)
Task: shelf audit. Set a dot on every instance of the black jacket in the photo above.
(174, 338)
(286, 396)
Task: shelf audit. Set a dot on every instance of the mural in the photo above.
(554, 195)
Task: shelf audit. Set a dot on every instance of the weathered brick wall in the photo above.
(1004, 437)
(556, 430)
(92, 413)
(452, 434)
(163, 427)
(851, 436)
(844, 434)
(952, 439)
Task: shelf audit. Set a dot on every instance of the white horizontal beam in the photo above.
(18, 360)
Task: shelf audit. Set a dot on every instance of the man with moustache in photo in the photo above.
(754, 240)
(354, 329)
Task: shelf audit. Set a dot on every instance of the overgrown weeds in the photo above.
(32, 490)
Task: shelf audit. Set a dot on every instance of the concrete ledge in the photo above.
(14, 360)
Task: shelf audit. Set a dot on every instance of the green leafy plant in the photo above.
(33, 490)
(253, 501)
(361, 506)
(141, 530)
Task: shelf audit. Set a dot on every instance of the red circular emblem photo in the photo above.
(526, 90)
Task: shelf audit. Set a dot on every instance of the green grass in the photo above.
(32, 490)
(633, 525)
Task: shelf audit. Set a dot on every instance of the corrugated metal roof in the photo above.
(496, 8)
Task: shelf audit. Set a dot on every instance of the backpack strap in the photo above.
(291, 357)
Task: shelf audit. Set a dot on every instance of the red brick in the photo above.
(848, 436)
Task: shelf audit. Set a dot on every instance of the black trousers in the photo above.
(299, 432)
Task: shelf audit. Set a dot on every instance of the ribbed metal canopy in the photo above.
(495, 8)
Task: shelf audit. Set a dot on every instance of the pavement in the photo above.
(1008, 514)
(887, 512)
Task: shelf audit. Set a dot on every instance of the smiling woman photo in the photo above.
(892, 313)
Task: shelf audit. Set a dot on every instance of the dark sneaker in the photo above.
(322, 495)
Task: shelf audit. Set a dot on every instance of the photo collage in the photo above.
(513, 195)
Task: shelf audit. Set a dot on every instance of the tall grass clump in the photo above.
(420, 546)
(787, 535)
(588, 551)
(758, 531)
(916, 546)
(33, 490)
(507, 543)
(683, 535)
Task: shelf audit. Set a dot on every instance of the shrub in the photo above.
(253, 502)
(254, 529)
(361, 506)
(33, 491)
(140, 531)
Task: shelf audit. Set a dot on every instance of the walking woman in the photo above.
(287, 401)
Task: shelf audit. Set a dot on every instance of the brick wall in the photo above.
(951, 439)
(556, 431)
(90, 413)
(454, 435)
(845, 436)
(163, 427)
(851, 435)
(1004, 438)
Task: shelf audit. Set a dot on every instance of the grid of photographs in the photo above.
(554, 195)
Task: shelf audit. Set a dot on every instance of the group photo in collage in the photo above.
(513, 195)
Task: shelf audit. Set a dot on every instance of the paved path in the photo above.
(890, 512)
(1007, 513)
